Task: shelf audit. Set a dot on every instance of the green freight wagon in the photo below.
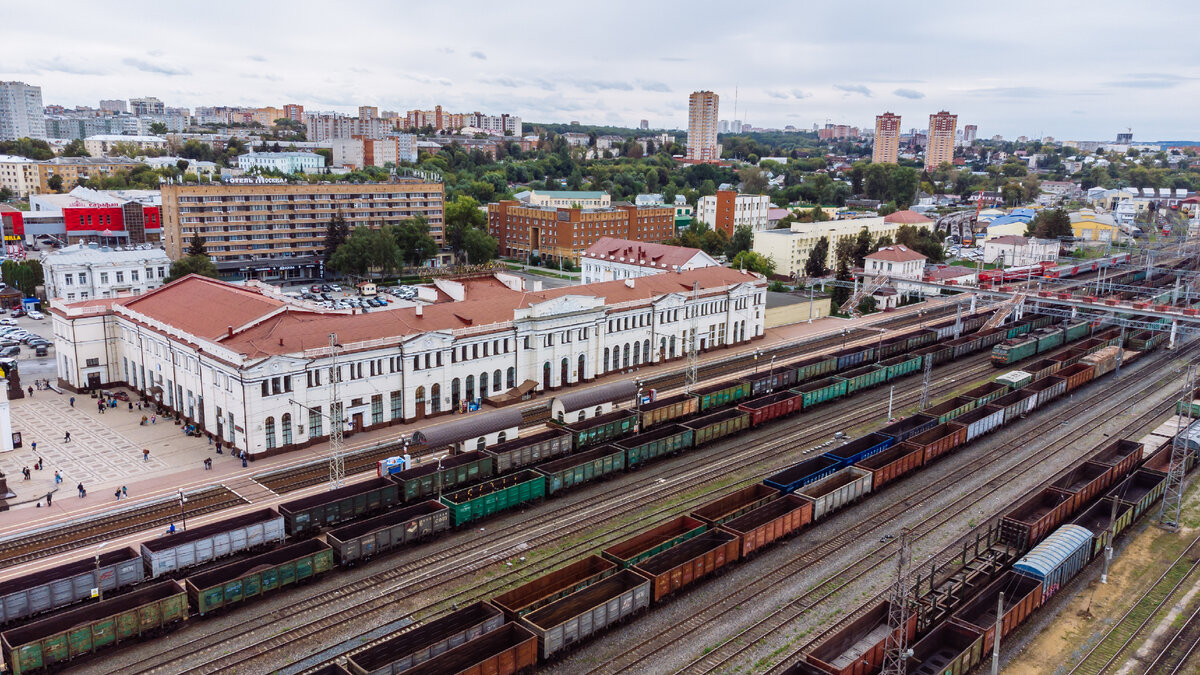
(986, 393)
(337, 506)
(251, 578)
(723, 394)
(863, 378)
(815, 367)
(948, 410)
(49, 644)
(821, 391)
(424, 482)
(718, 425)
(901, 365)
(601, 429)
(585, 467)
(660, 442)
(1077, 330)
(494, 496)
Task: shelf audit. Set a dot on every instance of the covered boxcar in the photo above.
(1057, 560)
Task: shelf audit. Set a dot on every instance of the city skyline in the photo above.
(1017, 78)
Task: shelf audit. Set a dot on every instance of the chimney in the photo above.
(229, 331)
(537, 286)
(629, 283)
(420, 309)
(280, 342)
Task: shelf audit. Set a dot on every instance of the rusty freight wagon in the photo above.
(893, 464)
(858, 648)
(654, 541)
(940, 440)
(690, 562)
(1085, 482)
(1022, 597)
(508, 650)
(427, 641)
(1122, 455)
(718, 425)
(769, 523)
(557, 584)
(1036, 517)
(1077, 375)
(766, 408)
(735, 504)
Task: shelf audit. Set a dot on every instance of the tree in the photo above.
(26, 275)
(336, 234)
(462, 215)
(158, 128)
(412, 236)
(922, 241)
(742, 240)
(125, 149)
(30, 148)
(196, 245)
(815, 265)
(754, 180)
(75, 149)
(749, 260)
(862, 245)
(867, 305)
(192, 264)
(1051, 224)
(479, 246)
(55, 183)
(364, 250)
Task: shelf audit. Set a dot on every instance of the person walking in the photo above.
(49, 498)
(72, 399)
(219, 448)
(145, 454)
(57, 478)
(25, 472)
(67, 437)
(38, 466)
(31, 392)
(117, 494)
(154, 419)
(82, 492)
(243, 460)
(124, 491)
(33, 447)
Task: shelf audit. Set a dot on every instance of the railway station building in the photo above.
(254, 367)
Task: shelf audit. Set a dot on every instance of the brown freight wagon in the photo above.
(939, 440)
(1043, 368)
(735, 504)
(949, 649)
(770, 523)
(1068, 357)
(770, 406)
(654, 541)
(893, 464)
(1077, 375)
(695, 559)
(1123, 455)
(1022, 597)
(1036, 517)
(508, 650)
(668, 409)
(1085, 482)
(557, 584)
(427, 641)
(858, 648)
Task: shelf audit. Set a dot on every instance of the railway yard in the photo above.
(751, 524)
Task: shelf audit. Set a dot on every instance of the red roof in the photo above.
(897, 253)
(640, 253)
(202, 306)
(907, 217)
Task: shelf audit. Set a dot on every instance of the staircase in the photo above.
(1002, 313)
(866, 289)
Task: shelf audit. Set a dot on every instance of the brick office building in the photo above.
(560, 233)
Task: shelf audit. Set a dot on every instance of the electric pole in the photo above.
(895, 650)
(691, 376)
(927, 381)
(1172, 502)
(337, 462)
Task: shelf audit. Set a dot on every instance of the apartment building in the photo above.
(361, 152)
(563, 233)
(294, 112)
(703, 108)
(102, 145)
(791, 248)
(887, 139)
(940, 145)
(147, 105)
(285, 162)
(19, 174)
(75, 170)
(21, 112)
(440, 120)
(728, 210)
(587, 199)
(83, 271)
(261, 229)
(325, 127)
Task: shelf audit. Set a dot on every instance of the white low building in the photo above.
(1012, 250)
(897, 263)
(728, 210)
(84, 272)
(285, 162)
(611, 259)
(254, 367)
(103, 145)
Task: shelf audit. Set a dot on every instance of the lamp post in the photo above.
(182, 512)
(755, 361)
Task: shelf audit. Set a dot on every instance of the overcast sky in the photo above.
(1072, 70)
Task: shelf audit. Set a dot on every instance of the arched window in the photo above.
(606, 359)
(480, 444)
(501, 436)
(435, 397)
(564, 375)
(547, 376)
(286, 423)
(496, 380)
(582, 415)
(269, 426)
(672, 352)
(455, 392)
(560, 416)
(625, 356)
(599, 411)
(470, 387)
(420, 398)
(646, 355)
(512, 377)
(483, 384)
(582, 364)
(662, 348)
(637, 353)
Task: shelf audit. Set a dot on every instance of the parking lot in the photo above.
(19, 338)
(335, 296)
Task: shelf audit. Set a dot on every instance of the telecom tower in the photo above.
(895, 650)
(337, 462)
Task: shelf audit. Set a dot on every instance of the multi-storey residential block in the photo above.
(19, 175)
(361, 152)
(262, 230)
(439, 120)
(113, 105)
(702, 145)
(324, 127)
(367, 111)
(294, 112)
(728, 210)
(833, 132)
(887, 139)
(88, 271)
(102, 145)
(790, 248)
(285, 162)
(970, 133)
(940, 148)
(21, 112)
(563, 233)
(588, 199)
(147, 105)
(75, 170)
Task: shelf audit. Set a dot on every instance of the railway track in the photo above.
(405, 581)
(86, 531)
(1179, 654)
(639, 656)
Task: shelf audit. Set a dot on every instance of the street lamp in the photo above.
(182, 513)
(755, 361)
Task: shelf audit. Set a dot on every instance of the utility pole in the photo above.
(1112, 524)
(1120, 353)
(895, 650)
(999, 628)
(926, 381)
(692, 376)
(1172, 502)
(957, 320)
(337, 462)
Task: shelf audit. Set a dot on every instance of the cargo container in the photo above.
(986, 393)
(1077, 375)
(585, 613)
(1015, 379)
(1022, 597)
(1140, 490)
(949, 649)
(52, 642)
(1057, 560)
(1043, 369)
(827, 389)
(834, 492)
(1016, 404)
(508, 650)
(527, 451)
(769, 523)
(863, 377)
(722, 394)
(654, 541)
(735, 504)
(405, 526)
(815, 367)
(802, 473)
(426, 481)
(858, 648)
(57, 587)
(852, 357)
(567, 472)
(938, 441)
(690, 562)
(908, 427)
(172, 553)
(718, 425)
(1098, 520)
(663, 441)
(1121, 454)
(411, 648)
(1034, 518)
(900, 366)
(1085, 482)
(252, 578)
(667, 409)
(980, 421)
(893, 464)
(600, 429)
(767, 381)
(308, 514)
(494, 496)
(860, 448)
(771, 406)
(554, 585)
(948, 410)
(1048, 389)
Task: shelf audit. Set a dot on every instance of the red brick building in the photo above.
(561, 234)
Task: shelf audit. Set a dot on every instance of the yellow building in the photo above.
(75, 170)
(1091, 226)
(790, 248)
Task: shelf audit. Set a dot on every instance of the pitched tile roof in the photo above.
(202, 306)
(907, 217)
(640, 253)
(898, 253)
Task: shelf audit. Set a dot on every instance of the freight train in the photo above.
(401, 509)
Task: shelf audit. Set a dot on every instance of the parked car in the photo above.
(335, 288)
(315, 288)
(36, 315)
(10, 351)
(17, 313)
(41, 350)
(8, 322)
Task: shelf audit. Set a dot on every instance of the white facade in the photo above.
(257, 401)
(749, 210)
(1014, 251)
(18, 174)
(21, 112)
(82, 272)
(616, 259)
(286, 162)
(897, 263)
(101, 146)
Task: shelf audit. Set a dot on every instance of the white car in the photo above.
(8, 322)
(36, 315)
